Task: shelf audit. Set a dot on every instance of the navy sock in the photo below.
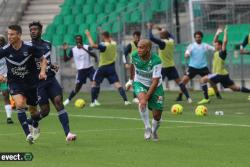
(29, 121)
(204, 88)
(94, 93)
(36, 118)
(64, 119)
(23, 120)
(244, 89)
(184, 90)
(122, 93)
(72, 94)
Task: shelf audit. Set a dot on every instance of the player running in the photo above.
(22, 75)
(166, 53)
(147, 85)
(49, 88)
(3, 84)
(219, 72)
(106, 67)
(85, 68)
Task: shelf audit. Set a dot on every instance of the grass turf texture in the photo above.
(106, 138)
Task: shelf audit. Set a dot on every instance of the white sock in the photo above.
(144, 116)
(155, 125)
(8, 110)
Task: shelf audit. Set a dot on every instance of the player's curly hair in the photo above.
(36, 23)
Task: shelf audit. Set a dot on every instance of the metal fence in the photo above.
(207, 16)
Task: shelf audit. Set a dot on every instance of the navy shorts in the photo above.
(83, 74)
(27, 90)
(170, 72)
(192, 72)
(48, 89)
(106, 71)
(225, 80)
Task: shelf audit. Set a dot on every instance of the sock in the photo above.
(180, 95)
(72, 94)
(94, 93)
(244, 89)
(8, 110)
(30, 121)
(218, 94)
(204, 88)
(122, 93)
(144, 116)
(36, 118)
(155, 125)
(64, 119)
(23, 120)
(184, 90)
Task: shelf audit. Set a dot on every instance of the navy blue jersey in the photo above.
(45, 47)
(21, 63)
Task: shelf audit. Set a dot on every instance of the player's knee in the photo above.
(58, 103)
(45, 109)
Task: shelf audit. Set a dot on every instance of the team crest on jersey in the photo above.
(11, 56)
(25, 54)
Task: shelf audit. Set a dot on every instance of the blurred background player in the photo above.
(197, 53)
(49, 88)
(219, 72)
(245, 42)
(147, 85)
(22, 75)
(106, 68)
(166, 53)
(85, 68)
(3, 84)
(130, 48)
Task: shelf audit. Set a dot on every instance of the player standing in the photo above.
(130, 48)
(197, 53)
(166, 53)
(147, 85)
(106, 67)
(85, 68)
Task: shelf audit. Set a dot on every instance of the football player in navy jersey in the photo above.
(49, 88)
(22, 75)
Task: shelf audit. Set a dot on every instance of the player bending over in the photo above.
(147, 85)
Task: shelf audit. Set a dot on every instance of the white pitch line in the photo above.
(172, 121)
(103, 130)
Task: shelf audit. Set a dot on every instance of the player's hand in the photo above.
(42, 76)
(186, 55)
(55, 67)
(87, 33)
(65, 46)
(219, 30)
(2, 78)
(128, 85)
(127, 66)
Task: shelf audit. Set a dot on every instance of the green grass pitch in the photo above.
(111, 135)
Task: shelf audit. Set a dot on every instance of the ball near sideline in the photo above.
(176, 109)
(201, 110)
(80, 103)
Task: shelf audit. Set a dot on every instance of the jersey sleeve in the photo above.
(157, 71)
(223, 54)
(2, 53)
(101, 47)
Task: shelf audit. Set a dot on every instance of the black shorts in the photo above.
(83, 74)
(225, 80)
(27, 90)
(106, 71)
(192, 72)
(170, 72)
(48, 89)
